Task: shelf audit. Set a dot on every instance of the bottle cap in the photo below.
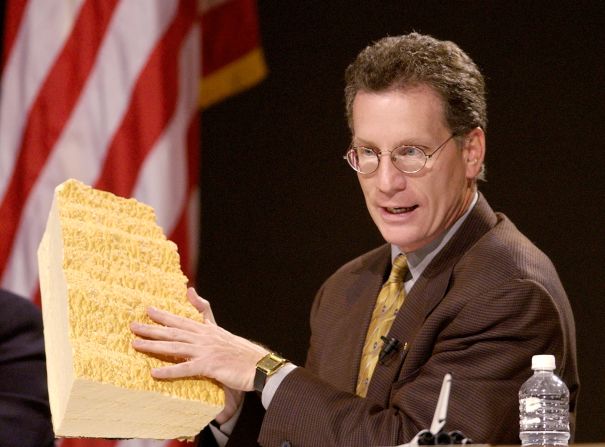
(546, 362)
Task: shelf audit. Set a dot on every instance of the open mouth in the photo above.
(401, 210)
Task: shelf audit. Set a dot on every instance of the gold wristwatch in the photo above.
(266, 367)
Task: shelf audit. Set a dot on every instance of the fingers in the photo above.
(177, 371)
(174, 336)
(155, 332)
(171, 320)
(195, 299)
(202, 305)
(170, 337)
(166, 348)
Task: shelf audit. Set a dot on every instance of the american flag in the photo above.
(109, 92)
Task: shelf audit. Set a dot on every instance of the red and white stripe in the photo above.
(105, 92)
(108, 92)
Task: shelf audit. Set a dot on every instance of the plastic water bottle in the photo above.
(544, 405)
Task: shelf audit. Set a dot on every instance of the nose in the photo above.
(389, 179)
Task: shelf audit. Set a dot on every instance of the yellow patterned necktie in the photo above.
(388, 303)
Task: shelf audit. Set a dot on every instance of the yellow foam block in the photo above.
(103, 260)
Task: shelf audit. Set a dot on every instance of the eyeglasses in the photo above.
(408, 159)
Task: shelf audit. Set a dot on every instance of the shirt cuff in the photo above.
(274, 381)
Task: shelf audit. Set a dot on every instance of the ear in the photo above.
(473, 152)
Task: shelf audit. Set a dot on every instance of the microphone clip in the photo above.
(390, 345)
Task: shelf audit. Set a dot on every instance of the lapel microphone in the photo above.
(390, 345)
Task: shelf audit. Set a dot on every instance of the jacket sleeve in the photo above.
(486, 343)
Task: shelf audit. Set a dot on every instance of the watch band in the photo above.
(266, 367)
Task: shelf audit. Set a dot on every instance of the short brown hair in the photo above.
(413, 59)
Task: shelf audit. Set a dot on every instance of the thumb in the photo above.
(202, 305)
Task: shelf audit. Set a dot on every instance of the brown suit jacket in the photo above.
(487, 302)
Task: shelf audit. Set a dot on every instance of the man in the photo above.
(477, 299)
(24, 410)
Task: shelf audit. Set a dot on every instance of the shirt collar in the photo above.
(419, 259)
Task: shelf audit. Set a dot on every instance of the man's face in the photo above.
(411, 210)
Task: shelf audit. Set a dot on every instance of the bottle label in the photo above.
(531, 404)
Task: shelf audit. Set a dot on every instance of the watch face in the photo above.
(270, 363)
(265, 368)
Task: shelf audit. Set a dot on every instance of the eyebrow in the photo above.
(364, 143)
